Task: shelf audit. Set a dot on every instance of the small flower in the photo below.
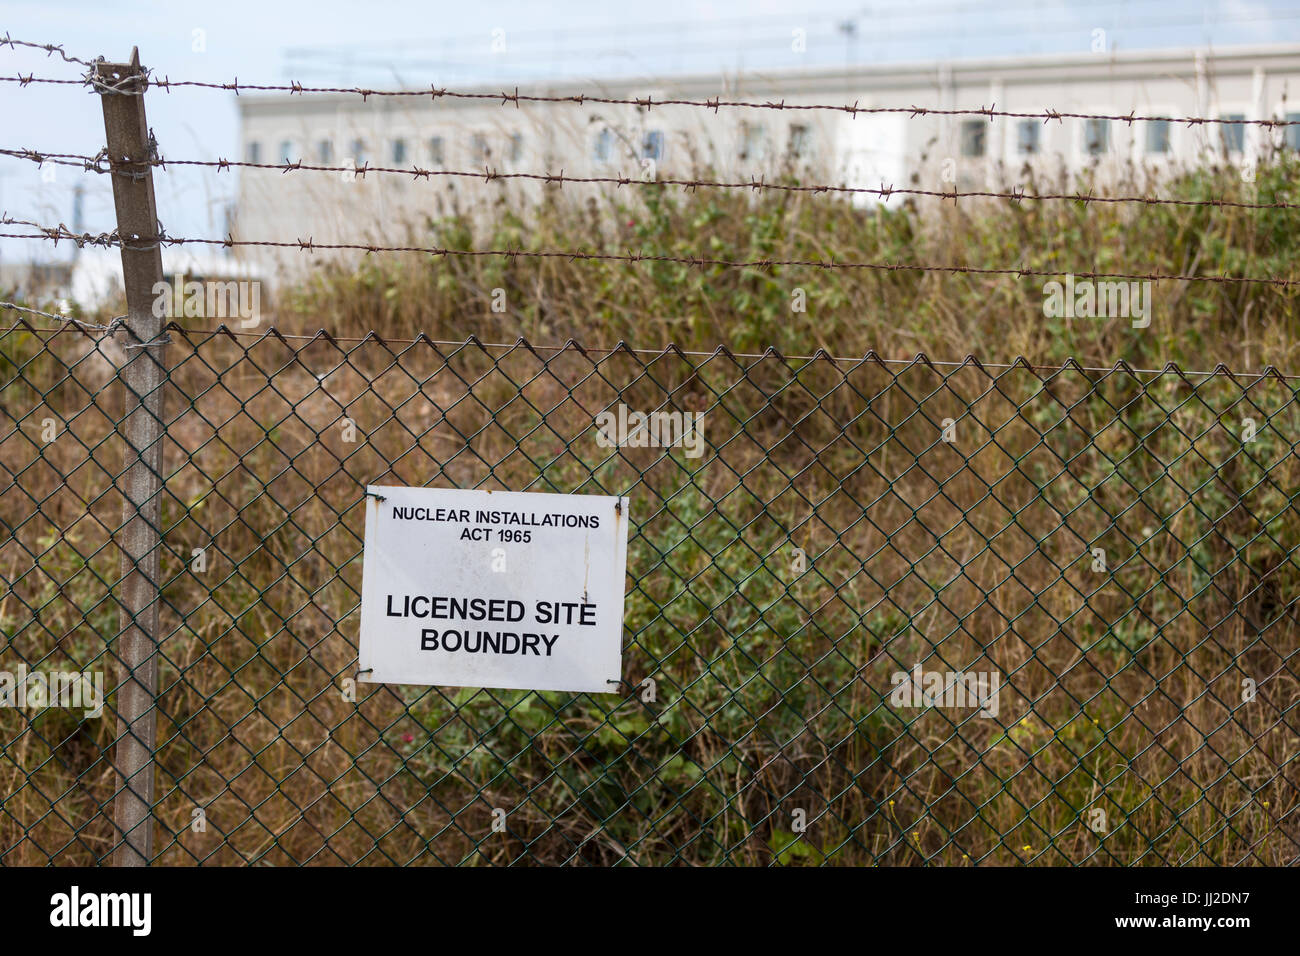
(408, 738)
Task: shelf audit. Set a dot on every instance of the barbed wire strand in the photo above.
(505, 98)
(108, 239)
(115, 324)
(101, 164)
(49, 48)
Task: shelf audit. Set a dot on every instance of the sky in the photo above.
(390, 44)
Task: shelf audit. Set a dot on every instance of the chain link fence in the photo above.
(896, 612)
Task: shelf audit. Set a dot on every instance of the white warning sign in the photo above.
(493, 589)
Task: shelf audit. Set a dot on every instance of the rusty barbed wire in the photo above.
(106, 239)
(100, 163)
(90, 164)
(505, 98)
(32, 78)
(60, 233)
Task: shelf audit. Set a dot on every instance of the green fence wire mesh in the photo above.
(901, 613)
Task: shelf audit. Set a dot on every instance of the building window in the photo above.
(479, 147)
(253, 152)
(358, 152)
(399, 151)
(325, 151)
(1233, 131)
(286, 151)
(1096, 137)
(800, 139)
(1292, 135)
(973, 134)
(652, 145)
(753, 142)
(1158, 137)
(516, 147)
(603, 148)
(1027, 133)
(437, 152)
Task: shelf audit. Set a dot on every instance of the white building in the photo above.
(736, 144)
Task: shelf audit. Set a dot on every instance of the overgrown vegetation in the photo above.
(1122, 691)
(897, 313)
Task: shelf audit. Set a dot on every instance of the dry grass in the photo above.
(1123, 691)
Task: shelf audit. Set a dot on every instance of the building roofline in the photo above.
(1118, 65)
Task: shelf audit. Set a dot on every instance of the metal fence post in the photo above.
(121, 87)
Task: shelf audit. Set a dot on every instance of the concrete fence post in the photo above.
(130, 150)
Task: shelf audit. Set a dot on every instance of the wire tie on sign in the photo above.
(357, 675)
(375, 495)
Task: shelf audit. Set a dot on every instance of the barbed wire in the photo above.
(60, 233)
(505, 98)
(100, 163)
(32, 79)
(107, 239)
(82, 324)
(921, 358)
(134, 84)
(49, 48)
